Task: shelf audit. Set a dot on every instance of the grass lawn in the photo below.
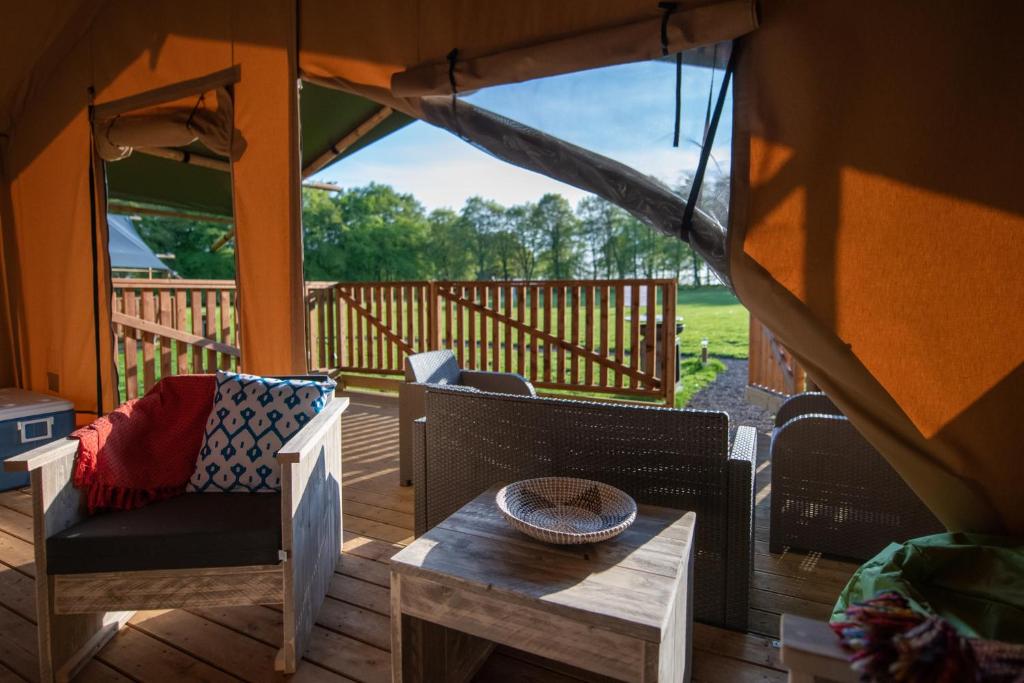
(713, 312)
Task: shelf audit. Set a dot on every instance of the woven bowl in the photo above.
(566, 511)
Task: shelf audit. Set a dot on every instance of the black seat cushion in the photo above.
(190, 531)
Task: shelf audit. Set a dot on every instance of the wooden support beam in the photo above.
(221, 241)
(326, 187)
(116, 207)
(186, 158)
(350, 138)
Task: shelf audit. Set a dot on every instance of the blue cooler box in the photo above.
(29, 420)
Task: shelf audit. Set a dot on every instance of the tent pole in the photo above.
(350, 138)
(186, 157)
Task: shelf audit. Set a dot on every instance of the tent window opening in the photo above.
(611, 131)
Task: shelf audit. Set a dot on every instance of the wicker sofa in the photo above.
(674, 458)
(832, 492)
(441, 367)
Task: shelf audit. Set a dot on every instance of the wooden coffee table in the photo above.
(620, 608)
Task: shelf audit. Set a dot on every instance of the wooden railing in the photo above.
(772, 368)
(595, 336)
(168, 327)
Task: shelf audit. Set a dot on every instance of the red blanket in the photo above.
(145, 450)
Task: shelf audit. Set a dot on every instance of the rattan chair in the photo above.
(832, 492)
(442, 368)
(468, 442)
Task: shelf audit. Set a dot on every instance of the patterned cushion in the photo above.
(251, 418)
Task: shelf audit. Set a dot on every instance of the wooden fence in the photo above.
(167, 327)
(602, 336)
(773, 372)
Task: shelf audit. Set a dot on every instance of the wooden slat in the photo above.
(225, 326)
(389, 323)
(574, 366)
(460, 330)
(507, 296)
(547, 329)
(520, 316)
(359, 293)
(483, 290)
(449, 340)
(534, 291)
(471, 317)
(171, 333)
(166, 318)
(148, 342)
(181, 322)
(560, 333)
(131, 351)
(634, 332)
(650, 339)
(589, 334)
(198, 359)
(620, 321)
(495, 339)
(603, 381)
(669, 359)
(211, 327)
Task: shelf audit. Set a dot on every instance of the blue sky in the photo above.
(625, 112)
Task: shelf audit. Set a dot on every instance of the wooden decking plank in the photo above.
(379, 530)
(16, 524)
(368, 570)
(402, 520)
(709, 667)
(220, 647)
(360, 593)
(17, 501)
(18, 644)
(356, 622)
(386, 501)
(745, 647)
(368, 548)
(144, 658)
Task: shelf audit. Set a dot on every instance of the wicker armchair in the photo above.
(832, 492)
(441, 367)
(675, 458)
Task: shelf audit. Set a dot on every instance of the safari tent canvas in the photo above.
(875, 216)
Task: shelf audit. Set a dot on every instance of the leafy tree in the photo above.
(189, 241)
(485, 218)
(528, 239)
(558, 229)
(449, 234)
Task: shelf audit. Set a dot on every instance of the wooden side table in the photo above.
(620, 608)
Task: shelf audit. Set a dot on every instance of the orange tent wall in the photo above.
(133, 48)
(880, 236)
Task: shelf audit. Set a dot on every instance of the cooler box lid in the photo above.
(19, 403)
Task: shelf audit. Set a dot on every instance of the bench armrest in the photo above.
(811, 651)
(308, 440)
(44, 455)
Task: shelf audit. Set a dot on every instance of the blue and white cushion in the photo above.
(251, 418)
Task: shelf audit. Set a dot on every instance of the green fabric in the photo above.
(975, 582)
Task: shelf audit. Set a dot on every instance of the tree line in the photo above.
(374, 233)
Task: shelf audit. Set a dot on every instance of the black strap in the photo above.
(453, 57)
(705, 151)
(668, 8)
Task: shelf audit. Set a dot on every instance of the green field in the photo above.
(713, 312)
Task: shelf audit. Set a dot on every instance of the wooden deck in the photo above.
(351, 641)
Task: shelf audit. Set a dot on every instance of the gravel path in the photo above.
(727, 393)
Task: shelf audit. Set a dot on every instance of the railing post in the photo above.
(668, 344)
(433, 317)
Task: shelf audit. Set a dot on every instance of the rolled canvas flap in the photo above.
(208, 117)
(688, 27)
